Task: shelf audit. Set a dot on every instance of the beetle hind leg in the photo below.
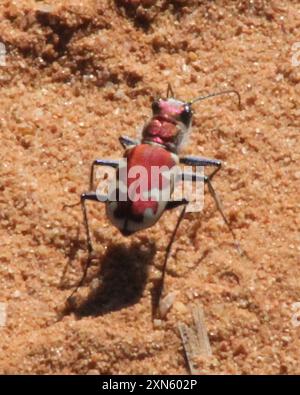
(84, 197)
(160, 287)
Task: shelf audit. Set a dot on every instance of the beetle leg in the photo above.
(102, 162)
(201, 161)
(160, 287)
(96, 198)
(207, 180)
(175, 203)
(127, 141)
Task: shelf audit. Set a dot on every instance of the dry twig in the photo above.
(195, 339)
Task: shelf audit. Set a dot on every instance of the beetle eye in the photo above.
(155, 107)
(186, 114)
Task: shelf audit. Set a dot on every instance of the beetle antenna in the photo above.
(170, 92)
(217, 94)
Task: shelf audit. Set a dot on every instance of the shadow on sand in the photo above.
(122, 274)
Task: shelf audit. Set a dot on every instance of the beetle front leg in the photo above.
(201, 161)
(128, 141)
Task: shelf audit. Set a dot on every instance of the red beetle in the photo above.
(161, 140)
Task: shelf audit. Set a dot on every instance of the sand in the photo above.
(77, 75)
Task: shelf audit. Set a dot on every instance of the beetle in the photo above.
(162, 138)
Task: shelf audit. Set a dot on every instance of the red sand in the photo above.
(76, 78)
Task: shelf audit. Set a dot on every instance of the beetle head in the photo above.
(170, 122)
(172, 110)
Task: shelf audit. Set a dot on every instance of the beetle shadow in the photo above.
(122, 276)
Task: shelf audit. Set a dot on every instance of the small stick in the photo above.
(195, 339)
(188, 342)
(201, 331)
(3, 314)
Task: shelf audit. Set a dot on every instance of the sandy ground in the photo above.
(77, 76)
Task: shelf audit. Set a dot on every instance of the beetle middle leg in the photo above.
(102, 162)
(206, 162)
(207, 180)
